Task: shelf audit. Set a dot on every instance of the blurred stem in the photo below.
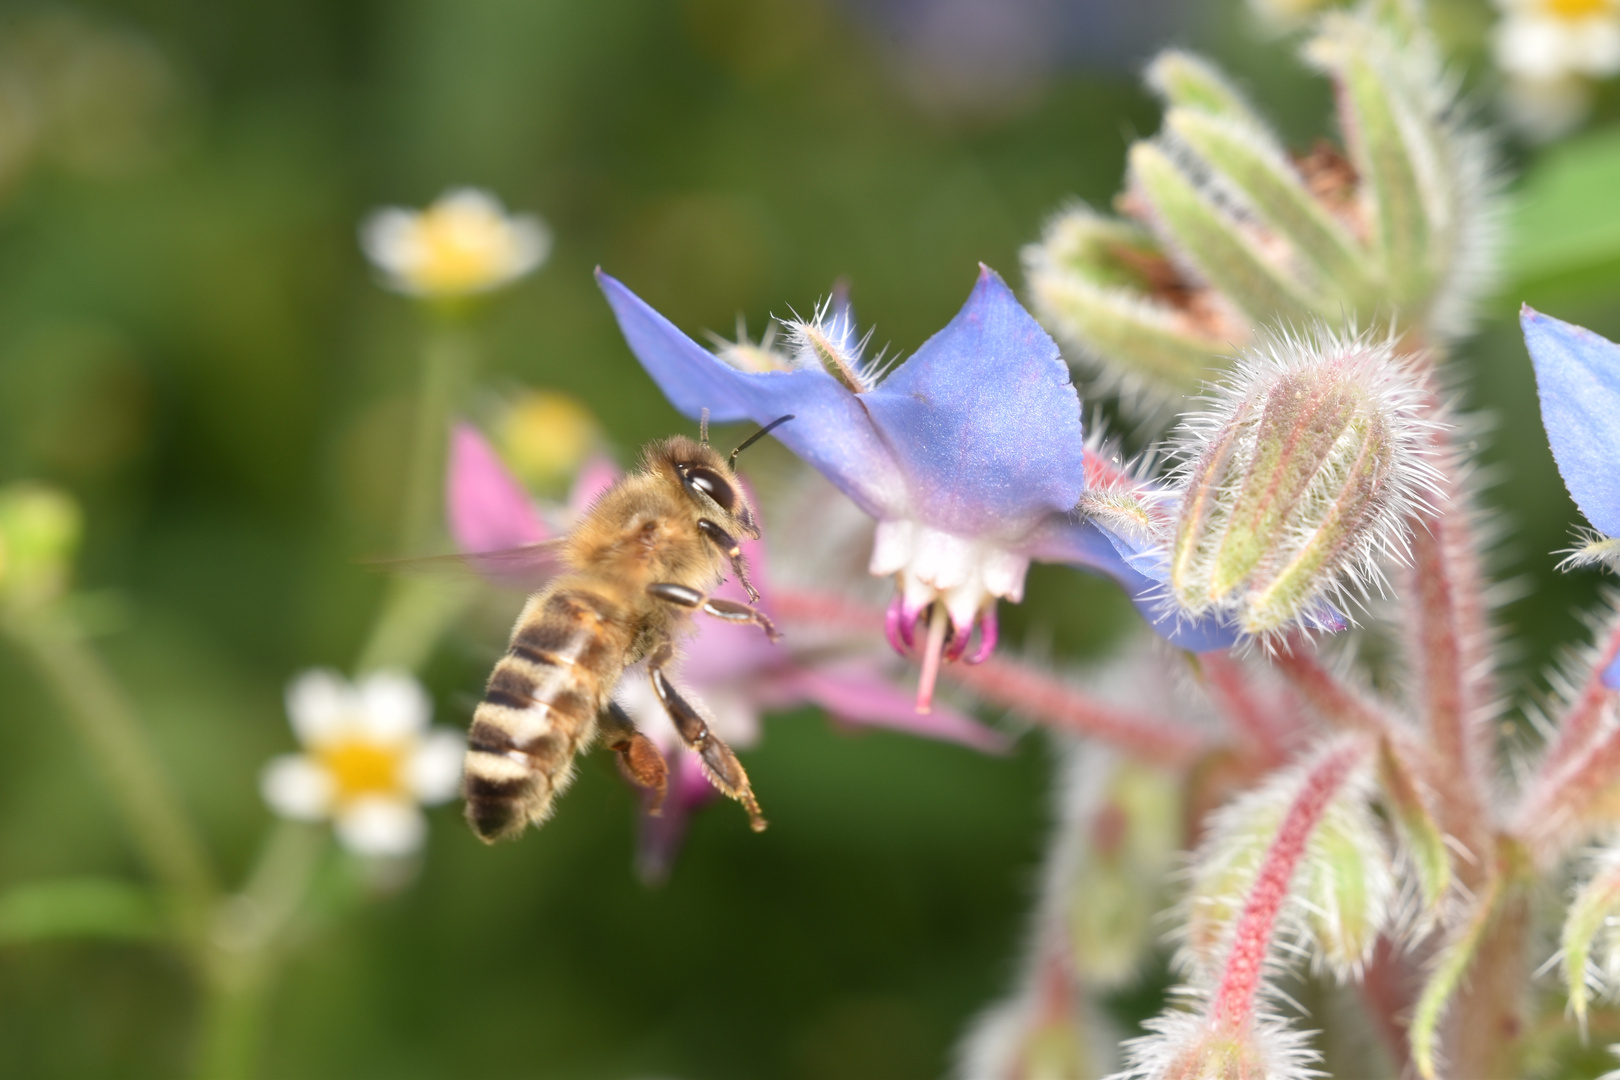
(100, 712)
(447, 357)
(415, 611)
(233, 1020)
(249, 931)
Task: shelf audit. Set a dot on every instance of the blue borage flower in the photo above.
(970, 455)
(1578, 378)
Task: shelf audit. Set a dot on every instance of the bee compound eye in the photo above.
(711, 484)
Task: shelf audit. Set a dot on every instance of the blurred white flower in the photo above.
(464, 243)
(1550, 50)
(1549, 39)
(370, 761)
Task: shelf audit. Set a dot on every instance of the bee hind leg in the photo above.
(729, 610)
(720, 765)
(639, 759)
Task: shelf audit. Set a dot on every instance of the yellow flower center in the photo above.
(1575, 10)
(462, 247)
(363, 768)
(546, 435)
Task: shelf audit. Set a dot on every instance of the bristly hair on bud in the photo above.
(1185, 1046)
(1121, 494)
(1298, 478)
(827, 340)
(1590, 942)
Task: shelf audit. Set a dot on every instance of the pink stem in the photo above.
(1386, 993)
(1580, 723)
(1448, 641)
(1050, 700)
(1338, 703)
(1235, 996)
(1552, 810)
(1230, 685)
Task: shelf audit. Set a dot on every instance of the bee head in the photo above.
(710, 480)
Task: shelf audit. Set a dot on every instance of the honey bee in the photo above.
(631, 574)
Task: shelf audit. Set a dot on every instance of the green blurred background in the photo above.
(191, 343)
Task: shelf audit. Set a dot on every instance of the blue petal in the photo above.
(984, 420)
(1578, 377)
(1083, 544)
(832, 431)
(1611, 674)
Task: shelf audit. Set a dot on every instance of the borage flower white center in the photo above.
(464, 243)
(370, 761)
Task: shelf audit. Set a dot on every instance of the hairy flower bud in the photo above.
(1229, 230)
(39, 533)
(1297, 478)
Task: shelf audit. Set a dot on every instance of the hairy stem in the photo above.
(1233, 1003)
(1264, 725)
(1053, 701)
(1445, 599)
(1339, 704)
(1579, 726)
(1554, 813)
(1386, 992)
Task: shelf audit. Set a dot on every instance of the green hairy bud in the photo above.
(1226, 230)
(1296, 480)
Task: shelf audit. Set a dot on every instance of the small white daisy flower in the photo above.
(1547, 40)
(370, 761)
(464, 243)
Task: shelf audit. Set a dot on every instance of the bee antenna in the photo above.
(703, 428)
(758, 435)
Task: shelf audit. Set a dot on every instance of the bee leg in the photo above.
(722, 540)
(720, 765)
(639, 759)
(729, 610)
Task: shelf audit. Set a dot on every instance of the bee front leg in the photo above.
(720, 765)
(729, 610)
(723, 540)
(639, 759)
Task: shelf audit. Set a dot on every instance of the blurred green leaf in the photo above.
(78, 907)
(1564, 231)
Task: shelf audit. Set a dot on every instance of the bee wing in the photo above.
(526, 568)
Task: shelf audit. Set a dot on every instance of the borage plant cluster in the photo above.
(1353, 823)
(1375, 886)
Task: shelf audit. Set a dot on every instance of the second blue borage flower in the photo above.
(970, 455)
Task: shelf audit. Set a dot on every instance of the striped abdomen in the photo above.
(539, 709)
